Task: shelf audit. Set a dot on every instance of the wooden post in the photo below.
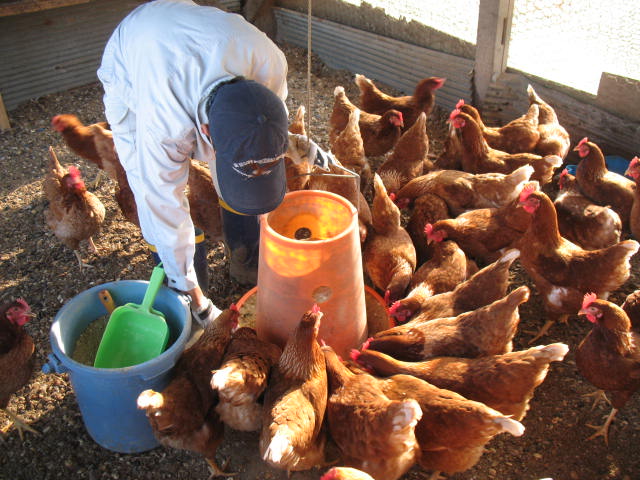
(492, 44)
(4, 118)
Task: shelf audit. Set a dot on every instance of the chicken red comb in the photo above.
(460, 103)
(366, 344)
(564, 173)
(394, 307)
(634, 161)
(528, 189)
(233, 307)
(315, 308)
(23, 302)
(589, 298)
(438, 82)
(74, 172)
(401, 117)
(323, 343)
(583, 141)
(454, 113)
(355, 355)
(387, 297)
(428, 229)
(392, 196)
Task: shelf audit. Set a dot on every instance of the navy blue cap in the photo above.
(248, 127)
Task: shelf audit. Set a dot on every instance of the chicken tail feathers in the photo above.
(405, 414)
(54, 163)
(554, 352)
(533, 96)
(280, 449)
(510, 425)
(509, 256)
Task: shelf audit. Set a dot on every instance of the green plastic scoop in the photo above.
(135, 333)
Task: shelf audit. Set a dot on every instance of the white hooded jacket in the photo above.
(158, 68)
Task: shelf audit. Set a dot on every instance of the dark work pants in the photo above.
(242, 241)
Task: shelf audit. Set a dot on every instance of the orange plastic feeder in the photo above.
(310, 253)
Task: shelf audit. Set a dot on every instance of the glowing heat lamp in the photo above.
(310, 253)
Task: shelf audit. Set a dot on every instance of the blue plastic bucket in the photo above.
(107, 396)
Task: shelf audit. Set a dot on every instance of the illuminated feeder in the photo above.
(310, 253)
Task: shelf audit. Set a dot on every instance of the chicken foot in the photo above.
(98, 179)
(546, 327)
(92, 248)
(20, 424)
(603, 431)
(216, 471)
(435, 475)
(598, 396)
(80, 262)
(540, 333)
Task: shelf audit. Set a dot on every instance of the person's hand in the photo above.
(303, 149)
(205, 315)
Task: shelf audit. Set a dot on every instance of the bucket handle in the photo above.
(54, 365)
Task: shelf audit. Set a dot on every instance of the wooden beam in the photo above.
(492, 44)
(4, 118)
(27, 6)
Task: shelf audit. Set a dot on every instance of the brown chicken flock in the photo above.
(439, 235)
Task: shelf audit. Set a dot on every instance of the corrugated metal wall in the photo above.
(54, 50)
(398, 64)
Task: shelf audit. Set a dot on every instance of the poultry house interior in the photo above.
(521, 315)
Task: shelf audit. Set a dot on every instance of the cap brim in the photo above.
(251, 195)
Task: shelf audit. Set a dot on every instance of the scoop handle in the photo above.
(155, 282)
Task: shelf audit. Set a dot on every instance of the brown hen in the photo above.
(295, 401)
(348, 148)
(379, 133)
(479, 157)
(374, 434)
(74, 214)
(633, 170)
(16, 356)
(297, 173)
(562, 271)
(484, 233)
(447, 268)
(184, 414)
(520, 135)
(373, 100)
(554, 138)
(409, 158)
(601, 185)
(464, 191)
(345, 473)
(581, 221)
(389, 257)
(453, 430)
(427, 208)
(488, 330)
(482, 288)
(503, 382)
(609, 356)
(242, 378)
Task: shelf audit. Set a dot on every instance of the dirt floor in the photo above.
(36, 266)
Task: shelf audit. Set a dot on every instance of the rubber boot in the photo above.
(241, 235)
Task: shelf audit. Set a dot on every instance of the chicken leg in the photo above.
(20, 424)
(603, 431)
(216, 471)
(545, 328)
(598, 396)
(80, 262)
